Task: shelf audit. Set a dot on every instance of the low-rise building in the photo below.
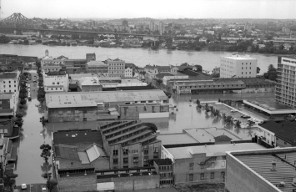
(75, 65)
(7, 105)
(97, 67)
(164, 168)
(268, 170)
(203, 164)
(128, 72)
(277, 134)
(88, 84)
(56, 82)
(78, 106)
(9, 82)
(77, 155)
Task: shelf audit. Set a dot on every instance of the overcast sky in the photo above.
(281, 9)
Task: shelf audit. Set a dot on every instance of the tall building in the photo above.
(285, 88)
(236, 66)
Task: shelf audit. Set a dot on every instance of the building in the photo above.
(56, 82)
(205, 86)
(128, 72)
(199, 136)
(277, 133)
(90, 57)
(268, 170)
(9, 82)
(75, 65)
(8, 103)
(116, 67)
(285, 88)
(97, 67)
(87, 84)
(203, 164)
(77, 155)
(99, 105)
(130, 143)
(238, 66)
(164, 168)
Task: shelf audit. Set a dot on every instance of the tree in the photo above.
(46, 151)
(271, 74)
(51, 184)
(258, 70)
(9, 179)
(4, 39)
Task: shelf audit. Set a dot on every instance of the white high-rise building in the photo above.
(238, 66)
(286, 81)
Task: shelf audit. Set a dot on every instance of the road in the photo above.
(29, 165)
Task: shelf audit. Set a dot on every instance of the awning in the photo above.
(105, 186)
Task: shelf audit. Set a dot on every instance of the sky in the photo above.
(276, 9)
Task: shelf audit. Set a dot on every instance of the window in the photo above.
(190, 177)
(125, 151)
(202, 176)
(212, 175)
(223, 175)
(145, 151)
(115, 161)
(115, 152)
(125, 160)
(191, 165)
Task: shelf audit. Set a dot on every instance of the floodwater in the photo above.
(138, 56)
(29, 167)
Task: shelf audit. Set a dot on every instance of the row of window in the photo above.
(9, 91)
(8, 81)
(246, 67)
(202, 176)
(246, 73)
(9, 86)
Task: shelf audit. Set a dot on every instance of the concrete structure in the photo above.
(90, 57)
(7, 105)
(9, 82)
(116, 67)
(203, 164)
(285, 89)
(238, 66)
(269, 170)
(56, 82)
(97, 67)
(130, 143)
(82, 106)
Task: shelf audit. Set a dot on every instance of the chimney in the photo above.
(273, 164)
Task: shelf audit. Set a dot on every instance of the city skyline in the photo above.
(273, 9)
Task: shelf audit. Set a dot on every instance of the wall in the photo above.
(78, 183)
(240, 179)
(182, 171)
(136, 183)
(72, 114)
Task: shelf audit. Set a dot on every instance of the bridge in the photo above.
(19, 23)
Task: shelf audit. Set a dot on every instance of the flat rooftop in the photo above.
(64, 99)
(260, 163)
(269, 105)
(176, 139)
(211, 150)
(8, 75)
(240, 57)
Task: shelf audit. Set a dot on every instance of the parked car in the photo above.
(24, 186)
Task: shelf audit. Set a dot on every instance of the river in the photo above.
(138, 56)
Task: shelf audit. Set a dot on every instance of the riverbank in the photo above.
(139, 56)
